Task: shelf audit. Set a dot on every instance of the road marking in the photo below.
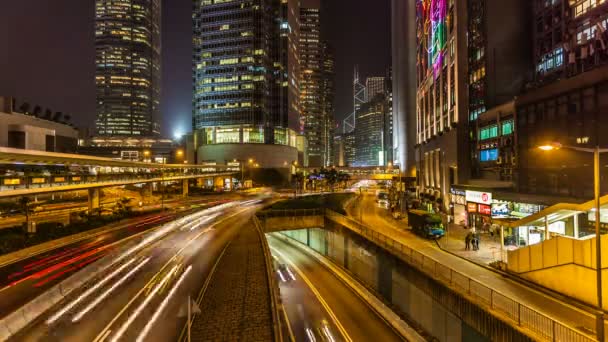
(104, 331)
(105, 336)
(317, 294)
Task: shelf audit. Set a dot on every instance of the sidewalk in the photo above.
(365, 210)
(489, 246)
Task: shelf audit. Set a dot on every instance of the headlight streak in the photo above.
(98, 300)
(311, 336)
(162, 306)
(281, 275)
(80, 298)
(142, 306)
(327, 333)
(290, 273)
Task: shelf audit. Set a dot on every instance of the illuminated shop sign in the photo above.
(479, 197)
(484, 209)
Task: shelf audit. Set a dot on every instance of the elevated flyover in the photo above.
(29, 173)
(378, 173)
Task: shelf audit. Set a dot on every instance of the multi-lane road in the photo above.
(319, 307)
(139, 295)
(137, 279)
(23, 279)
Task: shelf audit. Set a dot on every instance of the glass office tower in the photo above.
(127, 76)
(240, 74)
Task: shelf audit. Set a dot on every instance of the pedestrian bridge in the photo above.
(29, 173)
(378, 173)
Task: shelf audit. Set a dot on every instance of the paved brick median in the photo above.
(236, 306)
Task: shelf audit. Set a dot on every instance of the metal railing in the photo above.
(519, 314)
(290, 213)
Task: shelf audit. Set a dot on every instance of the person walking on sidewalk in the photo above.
(476, 238)
(467, 241)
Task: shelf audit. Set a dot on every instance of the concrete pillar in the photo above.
(93, 199)
(185, 187)
(576, 226)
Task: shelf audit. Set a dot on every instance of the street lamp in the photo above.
(598, 243)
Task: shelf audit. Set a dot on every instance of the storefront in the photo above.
(479, 209)
(524, 235)
(458, 203)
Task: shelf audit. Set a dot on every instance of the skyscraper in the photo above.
(244, 85)
(327, 101)
(372, 132)
(316, 85)
(127, 74)
(375, 85)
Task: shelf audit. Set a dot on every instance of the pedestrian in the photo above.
(467, 241)
(476, 239)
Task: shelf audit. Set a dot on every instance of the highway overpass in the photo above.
(30, 173)
(378, 173)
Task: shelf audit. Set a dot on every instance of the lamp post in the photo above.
(598, 242)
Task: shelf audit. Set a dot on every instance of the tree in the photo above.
(37, 111)
(25, 108)
(331, 177)
(57, 116)
(343, 178)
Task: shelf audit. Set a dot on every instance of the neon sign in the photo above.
(432, 21)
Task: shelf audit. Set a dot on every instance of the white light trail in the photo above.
(293, 276)
(281, 275)
(162, 306)
(327, 332)
(98, 300)
(311, 336)
(88, 292)
(142, 306)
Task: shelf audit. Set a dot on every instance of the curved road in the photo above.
(317, 303)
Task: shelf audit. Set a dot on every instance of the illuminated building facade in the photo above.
(245, 90)
(372, 132)
(127, 74)
(316, 85)
(499, 66)
(567, 101)
(442, 142)
(374, 86)
(327, 101)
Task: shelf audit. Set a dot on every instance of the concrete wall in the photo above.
(275, 224)
(550, 262)
(35, 130)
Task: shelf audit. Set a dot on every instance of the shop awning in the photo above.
(553, 213)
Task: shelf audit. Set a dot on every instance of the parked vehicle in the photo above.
(425, 224)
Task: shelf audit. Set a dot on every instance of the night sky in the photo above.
(47, 54)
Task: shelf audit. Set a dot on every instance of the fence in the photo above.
(519, 314)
